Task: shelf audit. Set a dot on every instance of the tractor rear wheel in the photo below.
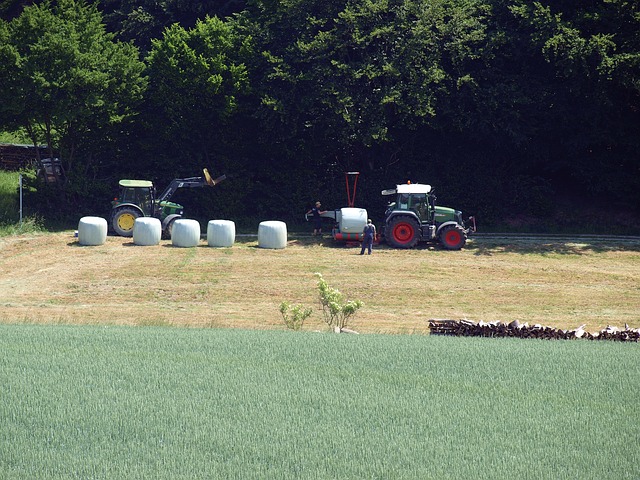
(123, 220)
(453, 237)
(402, 232)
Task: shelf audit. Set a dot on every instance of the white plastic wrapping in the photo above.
(221, 233)
(92, 231)
(352, 220)
(272, 234)
(185, 233)
(147, 231)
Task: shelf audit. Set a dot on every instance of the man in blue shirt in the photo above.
(368, 234)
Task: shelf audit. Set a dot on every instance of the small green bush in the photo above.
(294, 315)
(336, 311)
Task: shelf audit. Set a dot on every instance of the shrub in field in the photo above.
(9, 209)
(29, 225)
(294, 315)
(336, 311)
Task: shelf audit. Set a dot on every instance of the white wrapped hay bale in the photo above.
(185, 233)
(147, 231)
(272, 234)
(92, 231)
(352, 220)
(221, 233)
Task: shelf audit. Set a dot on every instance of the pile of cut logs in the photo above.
(466, 328)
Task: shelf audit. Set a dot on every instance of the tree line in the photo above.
(507, 107)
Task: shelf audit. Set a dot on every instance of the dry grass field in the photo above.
(50, 278)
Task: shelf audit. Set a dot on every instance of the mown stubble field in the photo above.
(50, 278)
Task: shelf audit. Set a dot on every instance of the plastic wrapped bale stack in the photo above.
(92, 231)
(221, 233)
(185, 233)
(272, 234)
(147, 231)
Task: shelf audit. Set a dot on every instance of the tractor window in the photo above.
(419, 205)
(127, 195)
(137, 196)
(403, 201)
(143, 199)
(416, 200)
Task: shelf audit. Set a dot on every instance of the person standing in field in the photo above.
(317, 220)
(368, 234)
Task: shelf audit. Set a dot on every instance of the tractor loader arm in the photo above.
(192, 182)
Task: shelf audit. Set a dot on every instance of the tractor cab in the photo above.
(416, 198)
(140, 193)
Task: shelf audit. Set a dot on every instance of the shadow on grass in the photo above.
(551, 246)
(490, 246)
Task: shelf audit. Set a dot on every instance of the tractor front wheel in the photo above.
(453, 237)
(123, 220)
(166, 233)
(402, 232)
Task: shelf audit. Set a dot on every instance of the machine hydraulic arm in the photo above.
(192, 182)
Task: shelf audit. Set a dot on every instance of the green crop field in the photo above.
(158, 402)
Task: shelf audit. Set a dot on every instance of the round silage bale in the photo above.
(272, 234)
(147, 231)
(92, 231)
(221, 233)
(185, 233)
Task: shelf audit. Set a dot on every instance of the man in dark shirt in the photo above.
(317, 220)
(368, 234)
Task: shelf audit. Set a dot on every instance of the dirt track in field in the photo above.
(51, 279)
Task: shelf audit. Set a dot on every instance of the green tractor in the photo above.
(414, 217)
(138, 198)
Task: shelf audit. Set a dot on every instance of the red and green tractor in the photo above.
(414, 217)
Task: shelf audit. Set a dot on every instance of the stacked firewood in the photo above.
(468, 328)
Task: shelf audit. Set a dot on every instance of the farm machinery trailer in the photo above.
(348, 222)
(138, 198)
(414, 217)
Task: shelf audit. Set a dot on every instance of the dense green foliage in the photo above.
(114, 402)
(9, 201)
(69, 85)
(512, 109)
(10, 223)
